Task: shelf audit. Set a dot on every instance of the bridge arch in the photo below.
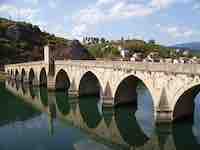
(183, 104)
(89, 85)
(31, 76)
(126, 90)
(11, 72)
(62, 81)
(23, 74)
(16, 74)
(43, 78)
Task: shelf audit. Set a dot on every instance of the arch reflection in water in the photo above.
(32, 91)
(191, 130)
(108, 115)
(17, 83)
(12, 83)
(44, 96)
(145, 110)
(16, 74)
(62, 103)
(184, 137)
(51, 117)
(196, 120)
(184, 107)
(90, 111)
(24, 88)
(133, 90)
(129, 128)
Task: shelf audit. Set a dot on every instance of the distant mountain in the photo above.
(194, 46)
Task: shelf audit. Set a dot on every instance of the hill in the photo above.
(102, 48)
(21, 42)
(193, 46)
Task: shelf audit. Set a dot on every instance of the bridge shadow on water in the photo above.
(127, 127)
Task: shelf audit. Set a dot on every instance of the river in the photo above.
(34, 119)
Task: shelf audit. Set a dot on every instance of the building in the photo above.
(152, 57)
(137, 57)
(125, 53)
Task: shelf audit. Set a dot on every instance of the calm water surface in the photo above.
(35, 119)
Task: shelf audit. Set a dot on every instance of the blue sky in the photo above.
(166, 21)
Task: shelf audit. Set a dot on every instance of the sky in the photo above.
(166, 21)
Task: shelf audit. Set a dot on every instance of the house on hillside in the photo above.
(152, 57)
(137, 57)
(125, 53)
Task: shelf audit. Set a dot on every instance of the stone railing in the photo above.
(33, 63)
(193, 69)
(137, 66)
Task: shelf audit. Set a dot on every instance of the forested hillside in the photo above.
(21, 41)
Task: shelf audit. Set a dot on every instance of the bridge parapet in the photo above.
(124, 65)
(137, 66)
(25, 64)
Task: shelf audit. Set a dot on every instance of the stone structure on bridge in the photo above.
(173, 87)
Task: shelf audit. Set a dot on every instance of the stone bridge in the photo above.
(173, 87)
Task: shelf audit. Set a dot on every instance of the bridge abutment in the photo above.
(163, 116)
(35, 82)
(51, 83)
(107, 101)
(25, 80)
(73, 93)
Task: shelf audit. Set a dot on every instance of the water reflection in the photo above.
(51, 117)
(125, 127)
(145, 111)
(44, 96)
(17, 84)
(32, 91)
(184, 137)
(89, 111)
(17, 110)
(62, 102)
(196, 125)
(108, 115)
(129, 128)
(24, 89)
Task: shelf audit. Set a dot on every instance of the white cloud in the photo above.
(103, 2)
(42, 24)
(78, 31)
(176, 32)
(196, 6)
(106, 11)
(58, 30)
(17, 13)
(124, 10)
(52, 3)
(161, 3)
(33, 2)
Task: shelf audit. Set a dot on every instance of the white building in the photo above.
(137, 57)
(124, 53)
